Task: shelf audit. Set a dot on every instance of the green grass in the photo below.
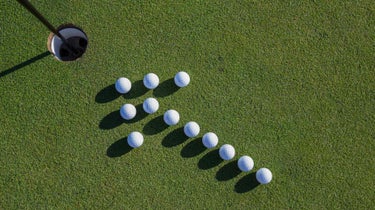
(290, 83)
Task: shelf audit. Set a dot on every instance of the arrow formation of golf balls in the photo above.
(191, 129)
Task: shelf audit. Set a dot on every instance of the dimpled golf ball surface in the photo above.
(171, 117)
(135, 139)
(191, 129)
(227, 152)
(151, 81)
(210, 140)
(245, 163)
(150, 105)
(182, 79)
(123, 85)
(264, 176)
(128, 111)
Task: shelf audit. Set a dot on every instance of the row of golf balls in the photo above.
(191, 129)
(151, 81)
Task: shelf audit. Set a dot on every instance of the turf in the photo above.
(289, 83)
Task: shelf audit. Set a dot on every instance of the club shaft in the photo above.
(35, 12)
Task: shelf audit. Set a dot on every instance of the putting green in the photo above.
(291, 84)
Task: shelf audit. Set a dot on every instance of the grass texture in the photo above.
(289, 83)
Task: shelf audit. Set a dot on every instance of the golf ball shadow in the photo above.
(138, 89)
(246, 183)
(210, 160)
(112, 120)
(119, 148)
(107, 94)
(165, 88)
(228, 171)
(193, 148)
(175, 138)
(141, 114)
(155, 126)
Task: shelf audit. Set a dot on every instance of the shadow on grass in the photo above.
(141, 114)
(210, 160)
(107, 94)
(119, 148)
(138, 89)
(246, 183)
(166, 88)
(175, 138)
(228, 171)
(193, 148)
(114, 119)
(155, 126)
(25, 63)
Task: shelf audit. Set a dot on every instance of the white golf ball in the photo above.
(123, 85)
(128, 111)
(245, 163)
(191, 129)
(151, 81)
(171, 117)
(135, 139)
(150, 105)
(182, 79)
(264, 176)
(227, 152)
(210, 140)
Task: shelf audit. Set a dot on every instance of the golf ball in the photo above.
(123, 85)
(245, 163)
(227, 152)
(191, 129)
(150, 105)
(210, 140)
(128, 111)
(135, 139)
(171, 117)
(264, 176)
(182, 79)
(151, 81)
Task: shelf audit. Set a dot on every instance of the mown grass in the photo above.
(290, 83)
